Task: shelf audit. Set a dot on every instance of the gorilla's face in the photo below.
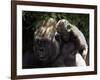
(63, 30)
(44, 49)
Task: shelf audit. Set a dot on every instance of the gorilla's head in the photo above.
(63, 28)
(46, 48)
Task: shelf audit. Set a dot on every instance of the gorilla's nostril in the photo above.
(41, 50)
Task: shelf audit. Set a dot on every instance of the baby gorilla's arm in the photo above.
(81, 39)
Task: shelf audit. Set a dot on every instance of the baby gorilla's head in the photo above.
(63, 30)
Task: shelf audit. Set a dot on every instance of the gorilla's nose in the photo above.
(41, 49)
(41, 52)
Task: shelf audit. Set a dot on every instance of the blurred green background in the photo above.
(31, 19)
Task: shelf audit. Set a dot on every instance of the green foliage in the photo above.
(31, 19)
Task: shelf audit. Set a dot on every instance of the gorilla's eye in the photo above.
(68, 28)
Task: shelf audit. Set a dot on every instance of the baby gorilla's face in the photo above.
(62, 30)
(44, 49)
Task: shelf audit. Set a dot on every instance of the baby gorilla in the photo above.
(70, 33)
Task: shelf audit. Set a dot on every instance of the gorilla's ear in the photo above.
(69, 28)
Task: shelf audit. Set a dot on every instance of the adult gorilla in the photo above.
(45, 48)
